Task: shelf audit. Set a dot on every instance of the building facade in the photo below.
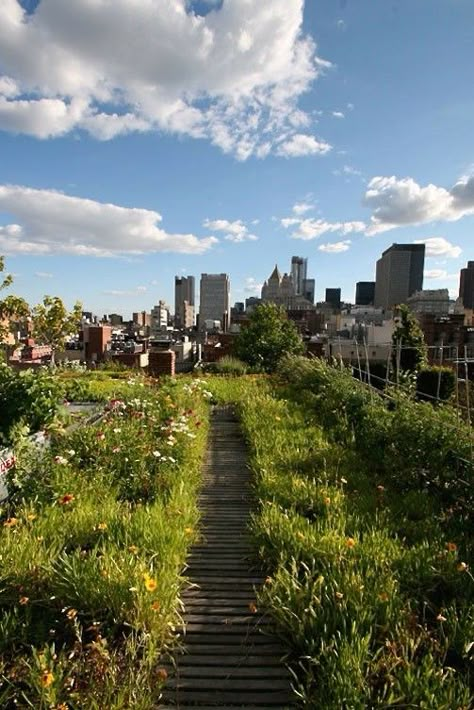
(184, 300)
(159, 319)
(214, 299)
(333, 297)
(299, 271)
(434, 301)
(399, 274)
(466, 286)
(365, 293)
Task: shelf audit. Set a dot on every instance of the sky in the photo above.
(143, 139)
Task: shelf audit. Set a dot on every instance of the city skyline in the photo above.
(121, 168)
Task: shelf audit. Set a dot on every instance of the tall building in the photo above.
(399, 274)
(159, 319)
(215, 299)
(466, 286)
(333, 297)
(365, 293)
(309, 287)
(299, 271)
(435, 301)
(184, 288)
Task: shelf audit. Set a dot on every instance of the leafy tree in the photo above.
(268, 336)
(13, 309)
(409, 349)
(53, 323)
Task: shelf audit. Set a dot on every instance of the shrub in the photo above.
(230, 366)
(435, 383)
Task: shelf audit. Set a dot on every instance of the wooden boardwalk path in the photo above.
(230, 659)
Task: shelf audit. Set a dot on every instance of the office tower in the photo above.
(159, 318)
(299, 268)
(184, 288)
(215, 299)
(309, 287)
(466, 286)
(333, 297)
(365, 293)
(399, 274)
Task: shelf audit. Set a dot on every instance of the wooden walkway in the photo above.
(230, 659)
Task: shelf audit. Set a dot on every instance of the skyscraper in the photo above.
(466, 286)
(399, 274)
(309, 287)
(299, 269)
(215, 299)
(365, 293)
(184, 288)
(333, 296)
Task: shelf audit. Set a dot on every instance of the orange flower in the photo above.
(133, 549)
(46, 678)
(156, 606)
(350, 542)
(383, 596)
(66, 499)
(150, 583)
(71, 613)
(24, 600)
(253, 608)
(162, 674)
(327, 501)
(10, 523)
(451, 546)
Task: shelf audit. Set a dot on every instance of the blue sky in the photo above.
(190, 137)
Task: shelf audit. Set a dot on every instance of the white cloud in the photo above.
(397, 203)
(252, 287)
(440, 274)
(308, 229)
(233, 77)
(43, 275)
(302, 144)
(138, 291)
(338, 114)
(48, 222)
(335, 247)
(302, 207)
(235, 231)
(438, 246)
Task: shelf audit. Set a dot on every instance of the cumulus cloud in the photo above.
(302, 144)
(338, 114)
(233, 76)
(399, 202)
(235, 231)
(308, 229)
(438, 246)
(440, 274)
(302, 207)
(252, 287)
(335, 247)
(49, 222)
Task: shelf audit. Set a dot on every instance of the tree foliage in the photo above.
(13, 309)
(409, 348)
(53, 322)
(268, 336)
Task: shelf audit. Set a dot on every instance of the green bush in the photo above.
(230, 366)
(431, 378)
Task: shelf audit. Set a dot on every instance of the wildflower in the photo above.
(60, 460)
(188, 531)
(383, 596)
(327, 501)
(156, 454)
(46, 678)
(117, 430)
(31, 516)
(451, 546)
(380, 488)
(150, 583)
(253, 608)
(440, 617)
(71, 452)
(100, 435)
(133, 549)
(350, 542)
(24, 601)
(66, 499)
(462, 567)
(40, 538)
(300, 535)
(162, 674)
(278, 419)
(268, 580)
(156, 606)
(343, 480)
(170, 458)
(339, 595)
(71, 613)
(10, 522)
(116, 449)
(102, 526)
(133, 589)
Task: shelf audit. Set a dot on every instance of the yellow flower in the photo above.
(339, 595)
(350, 542)
(24, 600)
(383, 596)
(102, 526)
(156, 606)
(10, 522)
(133, 549)
(47, 678)
(327, 501)
(71, 613)
(462, 567)
(188, 531)
(32, 516)
(300, 535)
(150, 583)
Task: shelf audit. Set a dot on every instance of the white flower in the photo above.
(71, 452)
(117, 430)
(60, 460)
(157, 454)
(170, 458)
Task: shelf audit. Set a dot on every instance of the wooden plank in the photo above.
(234, 684)
(242, 698)
(237, 661)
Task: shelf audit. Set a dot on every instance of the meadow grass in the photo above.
(369, 582)
(92, 547)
